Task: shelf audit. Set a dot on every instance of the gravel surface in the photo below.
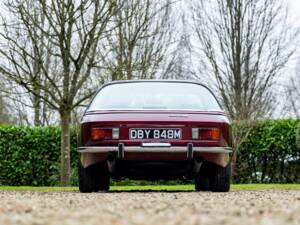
(120, 208)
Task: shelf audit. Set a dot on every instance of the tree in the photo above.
(69, 34)
(139, 45)
(180, 65)
(5, 118)
(7, 112)
(21, 105)
(244, 46)
(292, 104)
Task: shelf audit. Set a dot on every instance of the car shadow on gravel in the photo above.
(147, 191)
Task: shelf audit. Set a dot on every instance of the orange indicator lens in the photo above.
(211, 134)
(100, 134)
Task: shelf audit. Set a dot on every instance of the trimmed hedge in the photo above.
(269, 154)
(30, 155)
(298, 135)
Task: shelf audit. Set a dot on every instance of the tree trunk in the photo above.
(37, 110)
(264, 167)
(282, 170)
(65, 167)
(234, 157)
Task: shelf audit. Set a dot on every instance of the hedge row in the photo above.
(30, 155)
(270, 153)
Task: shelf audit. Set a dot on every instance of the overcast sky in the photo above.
(294, 6)
(294, 18)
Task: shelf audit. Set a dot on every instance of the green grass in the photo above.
(158, 187)
(33, 188)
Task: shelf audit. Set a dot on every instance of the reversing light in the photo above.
(115, 133)
(195, 133)
(210, 134)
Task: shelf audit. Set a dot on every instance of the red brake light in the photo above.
(212, 134)
(100, 134)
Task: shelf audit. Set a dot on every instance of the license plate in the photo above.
(155, 133)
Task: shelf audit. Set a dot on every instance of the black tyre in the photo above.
(202, 179)
(93, 178)
(220, 178)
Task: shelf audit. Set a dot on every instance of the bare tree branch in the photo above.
(49, 48)
(244, 45)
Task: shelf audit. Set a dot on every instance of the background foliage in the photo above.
(30, 155)
(269, 154)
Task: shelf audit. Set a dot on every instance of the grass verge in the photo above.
(157, 187)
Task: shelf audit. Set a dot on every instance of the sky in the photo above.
(294, 19)
(294, 8)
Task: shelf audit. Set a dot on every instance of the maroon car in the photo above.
(152, 130)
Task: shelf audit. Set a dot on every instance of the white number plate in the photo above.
(155, 133)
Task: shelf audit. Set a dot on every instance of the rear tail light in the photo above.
(104, 133)
(209, 134)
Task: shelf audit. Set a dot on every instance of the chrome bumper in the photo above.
(121, 149)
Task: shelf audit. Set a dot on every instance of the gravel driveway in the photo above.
(118, 208)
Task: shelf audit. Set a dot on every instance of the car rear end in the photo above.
(154, 141)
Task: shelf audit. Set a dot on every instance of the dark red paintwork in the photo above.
(155, 119)
(182, 158)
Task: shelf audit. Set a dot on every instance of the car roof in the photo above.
(155, 80)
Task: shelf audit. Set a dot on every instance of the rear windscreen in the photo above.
(154, 95)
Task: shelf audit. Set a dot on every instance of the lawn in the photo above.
(158, 187)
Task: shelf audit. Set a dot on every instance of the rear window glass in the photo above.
(154, 95)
